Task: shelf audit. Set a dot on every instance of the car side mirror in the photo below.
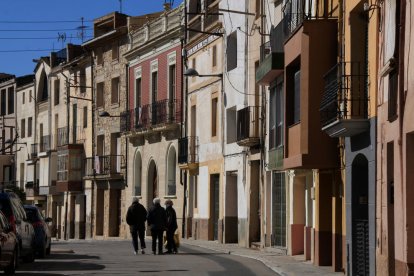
(48, 220)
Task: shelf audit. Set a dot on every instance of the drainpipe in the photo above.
(93, 145)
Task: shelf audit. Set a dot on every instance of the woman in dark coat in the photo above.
(157, 220)
(171, 226)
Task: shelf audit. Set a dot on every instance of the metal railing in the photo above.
(104, 165)
(158, 113)
(62, 136)
(346, 93)
(212, 16)
(275, 44)
(248, 123)
(188, 150)
(31, 188)
(297, 11)
(194, 24)
(45, 143)
(33, 150)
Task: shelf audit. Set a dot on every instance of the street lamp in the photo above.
(191, 72)
(105, 114)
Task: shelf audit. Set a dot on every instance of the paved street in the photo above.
(116, 258)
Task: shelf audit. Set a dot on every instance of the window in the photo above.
(100, 95)
(82, 80)
(293, 94)
(171, 78)
(296, 116)
(57, 92)
(115, 52)
(214, 117)
(214, 56)
(11, 100)
(23, 98)
(29, 127)
(392, 94)
(231, 51)
(171, 183)
(23, 128)
(276, 116)
(138, 86)
(99, 56)
(115, 90)
(231, 116)
(85, 117)
(3, 102)
(154, 86)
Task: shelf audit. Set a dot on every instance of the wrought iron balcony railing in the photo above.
(188, 150)
(158, 113)
(34, 150)
(248, 126)
(346, 93)
(104, 165)
(297, 11)
(45, 143)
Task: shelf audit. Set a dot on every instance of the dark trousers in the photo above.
(135, 233)
(171, 246)
(157, 234)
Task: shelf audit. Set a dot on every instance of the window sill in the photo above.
(115, 105)
(392, 118)
(171, 196)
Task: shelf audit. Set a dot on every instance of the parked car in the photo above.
(9, 248)
(12, 208)
(43, 238)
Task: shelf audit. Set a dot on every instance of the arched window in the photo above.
(137, 174)
(171, 172)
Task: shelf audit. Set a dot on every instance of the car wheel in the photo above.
(11, 268)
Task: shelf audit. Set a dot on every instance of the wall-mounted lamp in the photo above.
(105, 114)
(369, 7)
(191, 72)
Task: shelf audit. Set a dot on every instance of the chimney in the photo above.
(167, 6)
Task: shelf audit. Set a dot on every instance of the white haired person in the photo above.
(171, 226)
(136, 217)
(157, 221)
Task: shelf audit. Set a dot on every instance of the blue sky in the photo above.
(20, 44)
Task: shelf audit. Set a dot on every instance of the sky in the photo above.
(30, 29)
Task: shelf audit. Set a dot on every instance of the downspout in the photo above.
(184, 90)
(93, 146)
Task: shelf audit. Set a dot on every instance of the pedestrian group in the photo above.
(158, 220)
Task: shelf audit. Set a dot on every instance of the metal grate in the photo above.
(361, 256)
(279, 210)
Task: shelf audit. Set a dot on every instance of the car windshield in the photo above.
(32, 215)
(5, 207)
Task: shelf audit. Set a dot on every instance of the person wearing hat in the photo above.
(136, 217)
(171, 226)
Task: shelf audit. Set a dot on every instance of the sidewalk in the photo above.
(277, 261)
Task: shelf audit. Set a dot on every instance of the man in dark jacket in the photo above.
(171, 226)
(157, 221)
(136, 217)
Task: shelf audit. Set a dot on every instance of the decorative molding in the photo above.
(138, 72)
(154, 65)
(172, 58)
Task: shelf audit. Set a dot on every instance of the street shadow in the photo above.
(59, 266)
(166, 270)
(70, 256)
(198, 253)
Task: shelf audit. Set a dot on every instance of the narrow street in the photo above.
(117, 258)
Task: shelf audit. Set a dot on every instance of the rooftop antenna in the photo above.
(62, 37)
(120, 6)
(81, 33)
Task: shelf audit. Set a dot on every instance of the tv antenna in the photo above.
(61, 37)
(81, 28)
(120, 6)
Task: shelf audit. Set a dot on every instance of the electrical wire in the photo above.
(41, 21)
(41, 30)
(34, 38)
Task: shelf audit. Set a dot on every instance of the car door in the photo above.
(22, 226)
(7, 242)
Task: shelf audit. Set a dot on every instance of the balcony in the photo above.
(104, 167)
(344, 106)
(271, 57)
(45, 144)
(33, 152)
(62, 136)
(188, 152)
(32, 190)
(248, 126)
(69, 168)
(151, 119)
(295, 12)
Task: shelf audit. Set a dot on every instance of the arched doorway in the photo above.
(137, 174)
(360, 224)
(171, 167)
(152, 182)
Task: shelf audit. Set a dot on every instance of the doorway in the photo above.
(152, 183)
(214, 203)
(100, 210)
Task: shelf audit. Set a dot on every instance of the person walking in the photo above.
(136, 217)
(157, 221)
(171, 226)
